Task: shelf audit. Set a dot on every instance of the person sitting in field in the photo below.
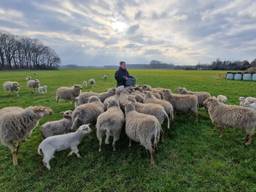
(122, 76)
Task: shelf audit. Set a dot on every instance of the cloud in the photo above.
(103, 32)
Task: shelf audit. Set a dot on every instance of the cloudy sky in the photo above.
(102, 32)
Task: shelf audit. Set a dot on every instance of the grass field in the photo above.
(191, 158)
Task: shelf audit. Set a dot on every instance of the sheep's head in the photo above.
(113, 103)
(93, 99)
(42, 111)
(84, 129)
(67, 114)
(181, 90)
(77, 87)
(129, 107)
(210, 101)
(16, 86)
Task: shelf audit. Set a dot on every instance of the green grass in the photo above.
(191, 158)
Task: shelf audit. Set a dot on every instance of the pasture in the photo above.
(192, 157)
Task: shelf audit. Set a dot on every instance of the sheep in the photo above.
(87, 113)
(232, 116)
(182, 103)
(202, 95)
(51, 144)
(16, 124)
(91, 82)
(142, 128)
(84, 84)
(33, 84)
(58, 127)
(104, 77)
(28, 78)
(222, 98)
(152, 109)
(67, 93)
(42, 89)
(246, 100)
(149, 98)
(110, 123)
(11, 87)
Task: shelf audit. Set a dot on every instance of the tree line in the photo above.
(25, 53)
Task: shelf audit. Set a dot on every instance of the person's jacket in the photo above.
(120, 76)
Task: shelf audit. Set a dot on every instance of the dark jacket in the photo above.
(120, 76)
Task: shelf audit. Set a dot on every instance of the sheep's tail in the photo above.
(168, 119)
(39, 150)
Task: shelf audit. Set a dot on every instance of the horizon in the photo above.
(101, 33)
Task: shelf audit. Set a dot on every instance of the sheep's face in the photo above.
(112, 103)
(84, 129)
(77, 87)
(210, 102)
(67, 114)
(181, 90)
(42, 111)
(16, 86)
(129, 107)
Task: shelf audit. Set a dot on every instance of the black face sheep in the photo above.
(201, 96)
(87, 113)
(149, 98)
(50, 145)
(11, 87)
(67, 93)
(33, 84)
(153, 109)
(110, 123)
(142, 128)
(58, 127)
(232, 116)
(16, 124)
(182, 103)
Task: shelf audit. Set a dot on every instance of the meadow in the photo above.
(192, 157)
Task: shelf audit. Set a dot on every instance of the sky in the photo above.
(103, 32)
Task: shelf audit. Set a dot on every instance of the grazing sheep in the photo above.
(149, 98)
(51, 144)
(110, 123)
(152, 109)
(182, 103)
(16, 124)
(222, 98)
(84, 84)
(42, 89)
(246, 100)
(87, 113)
(142, 128)
(58, 127)
(201, 96)
(232, 116)
(104, 77)
(67, 93)
(91, 82)
(28, 78)
(11, 87)
(33, 84)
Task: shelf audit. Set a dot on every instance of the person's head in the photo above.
(122, 65)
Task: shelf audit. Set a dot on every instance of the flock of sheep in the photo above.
(140, 110)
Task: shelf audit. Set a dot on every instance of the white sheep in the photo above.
(33, 84)
(16, 124)
(11, 87)
(51, 144)
(232, 116)
(59, 126)
(87, 113)
(142, 128)
(91, 82)
(246, 100)
(104, 77)
(110, 123)
(84, 84)
(68, 93)
(42, 89)
(222, 98)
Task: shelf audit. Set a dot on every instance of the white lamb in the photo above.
(42, 89)
(50, 145)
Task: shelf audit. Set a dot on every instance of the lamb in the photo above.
(153, 109)
(232, 116)
(222, 98)
(142, 128)
(58, 127)
(16, 124)
(42, 89)
(87, 113)
(149, 98)
(91, 82)
(110, 123)
(51, 144)
(182, 103)
(67, 93)
(11, 87)
(33, 84)
(104, 77)
(202, 95)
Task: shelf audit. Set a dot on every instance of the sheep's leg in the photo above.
(75, 150)
(57, 99)
(248, 139)
(130, 143)
(151, 151)
(47, 157)
(221, 132)
(114, 142)
(99, 137)
(107, 137)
